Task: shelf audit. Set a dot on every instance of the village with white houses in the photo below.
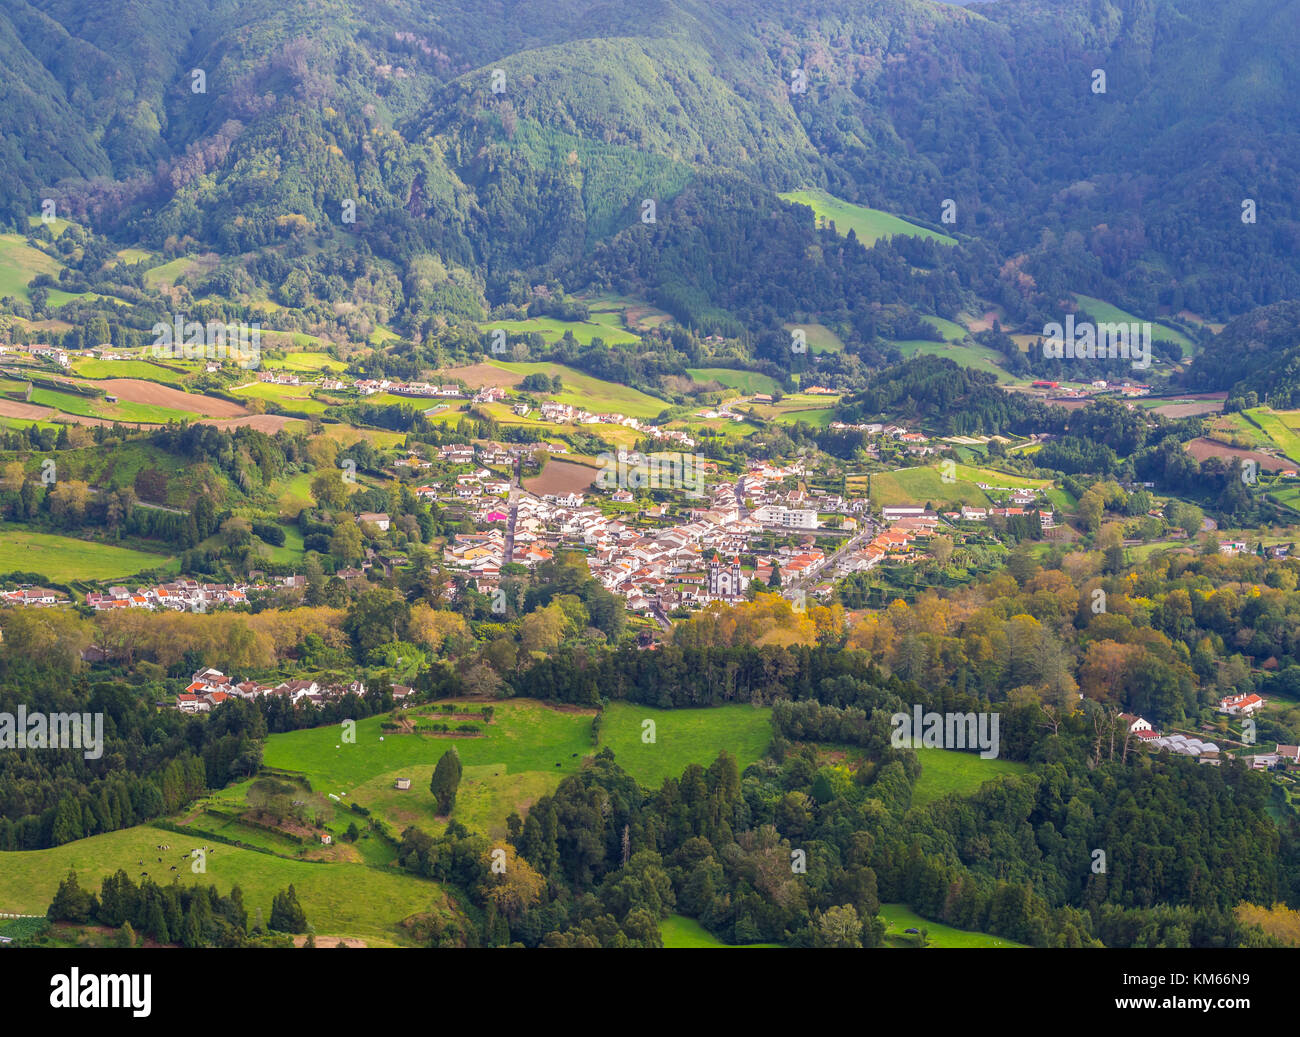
(680, 553)
(713, 537)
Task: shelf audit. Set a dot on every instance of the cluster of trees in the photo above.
(188, 915)
(1166, 640)
(151, 763)
(192, 478)
(727, 245)
(951, 399)
(802, 849)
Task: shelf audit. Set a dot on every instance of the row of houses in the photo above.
(37, 596)
(371, 386)
(182, 595)
(564, 413)
(485, 453)
(209, 687)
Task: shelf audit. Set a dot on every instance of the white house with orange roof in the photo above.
(1241, 705)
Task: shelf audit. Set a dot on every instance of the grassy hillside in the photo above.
(604, 326)
(967, 354)
(63, 559)
(748, 382)
(947, 772)
(339, 899)
(899, 918)
(680, 932)
(523, 737)
(19, 263)
(682, 737)
(587, 392)
(1104, 312)
(870, 225)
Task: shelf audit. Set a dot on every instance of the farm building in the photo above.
(1236, 705)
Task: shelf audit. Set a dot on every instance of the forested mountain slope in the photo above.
(907, 104)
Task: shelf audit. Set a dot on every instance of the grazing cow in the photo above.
(159, 860)
(173, 867)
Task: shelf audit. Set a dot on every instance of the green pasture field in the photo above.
(898, 918)
(63, 559)
(679, 931)
(993, 477)
(142, 369)
(747, 382)
(290, 397)
(522, 755)
(817, 417)
(57, 225)
(1062, 500)
(304, 362)
(918, 485)
(947, 771)
(683, 737)
(97, 407)
(950, 330)
(819, 338)
(19, 263)
(524, 736)
(606, 326)
(340, 899)
(1107, 313)
(172, 271)
(292, 551)
(966, 354)
(870, 225)
(487, 795)
(1275, 427)
(636, 314)
(589, 393)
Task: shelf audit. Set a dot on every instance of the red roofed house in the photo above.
(1136, 724)
(1240, 705)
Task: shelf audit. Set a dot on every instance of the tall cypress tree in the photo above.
(446, 781)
